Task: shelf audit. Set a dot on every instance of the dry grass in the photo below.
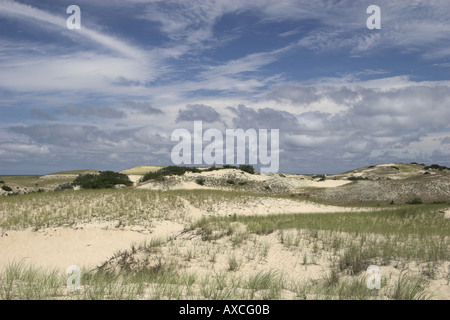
(281, 256)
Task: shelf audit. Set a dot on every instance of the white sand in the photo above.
(90, 244)
(86, 246)
(134, 178)
(447, 213)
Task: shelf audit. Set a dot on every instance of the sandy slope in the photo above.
(91, 244)
(253, 182)
(86, 245)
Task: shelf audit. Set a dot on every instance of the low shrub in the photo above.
(169, 171)
(247, 168)
(415, 201)
(213, 168)
(104, 180)
(357, 178)
(6, 188)
(200, 181)
(227, 166)
(436, 167)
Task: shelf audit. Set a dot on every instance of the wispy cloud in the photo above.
(58, 23)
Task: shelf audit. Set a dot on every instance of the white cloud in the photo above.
(58, 23)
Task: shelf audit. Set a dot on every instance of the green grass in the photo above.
(82, 171)
(348, 242)
(131, 206)
(70, 207)
(20, 282)
(408, 287)
(421, 220)
(357, 240)
(26, 181)
(28, 282)
(33, 181)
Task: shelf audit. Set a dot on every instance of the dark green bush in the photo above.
(247, 168)
(1, 181)
(6, 188)
(230, 181)
(242, 183)
(213, 168)
(227, 166)
(200, 181)
(104, 180)
(436, 167)
(357, 178)
(415, 201)
(168, 171)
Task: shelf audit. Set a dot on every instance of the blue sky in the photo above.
(109, 96)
